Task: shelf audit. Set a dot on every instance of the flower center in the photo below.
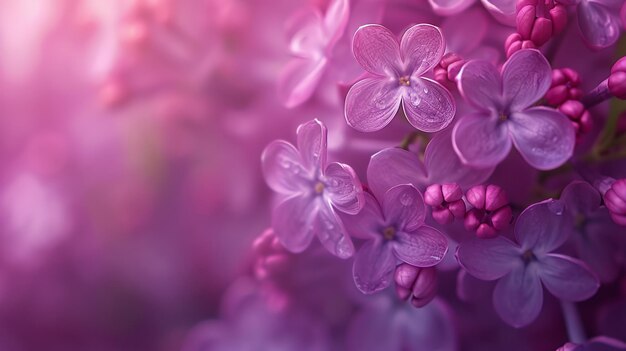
(389, 233)
(528, 256)
(319, 188)
(503, 117)
(404, 80)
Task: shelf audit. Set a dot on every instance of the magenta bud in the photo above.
(443, 216)
(565, 86)
(501, 218)
(472, 219)
(617, 84)
(558, 15)
(495, 197)
(485, 231)
(448, 68)
(476, 196)
(541, 32)
(525, 20)
(433, 195)
(418, 284)
(615, 201)
(446, 201)
(491, 212)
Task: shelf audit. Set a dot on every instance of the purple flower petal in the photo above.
(308, 39)
(403, 205)
(445, 166)
(480, 141)
(480, 84)
(489, 259)
(282, 168)
(567, 278)
(581, 198)
(424, 248)
(373, 267)
(376, 49)
(299, 79)
(600, 27)
(544, 137)
(543, 227)
(336, 19)
(367, 223)
(597, 246)
(293, 222)
(518, 297)
(343, 188)
(312, 141)
(449, 7)
(372, 103)
(455, 29)
(332, 234)
(526, 77)
(428, 106)
(422, 47)
(394, 166)
(373, 327)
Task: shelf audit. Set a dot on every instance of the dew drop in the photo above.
(425, 90)
(415, 99)
(406, 200)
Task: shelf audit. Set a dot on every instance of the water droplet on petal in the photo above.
(415, 99)
(406, 199)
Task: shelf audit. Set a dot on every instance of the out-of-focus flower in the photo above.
(523, 266)
(313, 41)
(543, 136)
(598, 21)
(397, 70)
(395, 231)
(501, 10)
(601, 343)
(592, 231)
(313, 191)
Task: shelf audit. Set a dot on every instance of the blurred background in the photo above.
(130, 192)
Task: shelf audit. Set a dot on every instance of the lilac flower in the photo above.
(395, 231)
(601, 343)
(313, 191)
(311, 44)
(523, 266)
(593, 231)
(543, 136)
(397, 70)
(386, 325)
(441, 165)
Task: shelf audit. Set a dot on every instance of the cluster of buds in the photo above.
(537, 21)
(490, 213)
(417, 284)
(565, 94)
(613, 86)
(447, 69)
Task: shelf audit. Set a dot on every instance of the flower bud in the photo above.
(580, 117)
(568, 347)
(417, 284)
(447, 70)
(615, 201)
(565, 86)
(515, 43)
(538, 21)
(617, 79)
(491, 212)
(446, 201)
(269, 255)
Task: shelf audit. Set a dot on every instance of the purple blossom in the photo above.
(523, 265)
(314, 39)
(394, 166)
(593, 231)
(501, 10)
(543, 136)
(395, 231)
(396, 78)
(313, 190)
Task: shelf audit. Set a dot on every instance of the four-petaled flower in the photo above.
(397, 70)
(312, 191)
(543, 136)
(523, 266)
(395, 231)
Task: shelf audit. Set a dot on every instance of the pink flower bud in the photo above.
(617, 79)
(418, 284)
(448, 68)
(538, 21)
(615, 201)
(565, 86)
(491, 211)
(515, 43)
(446, 201)
(580, 117)
(269, 255)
